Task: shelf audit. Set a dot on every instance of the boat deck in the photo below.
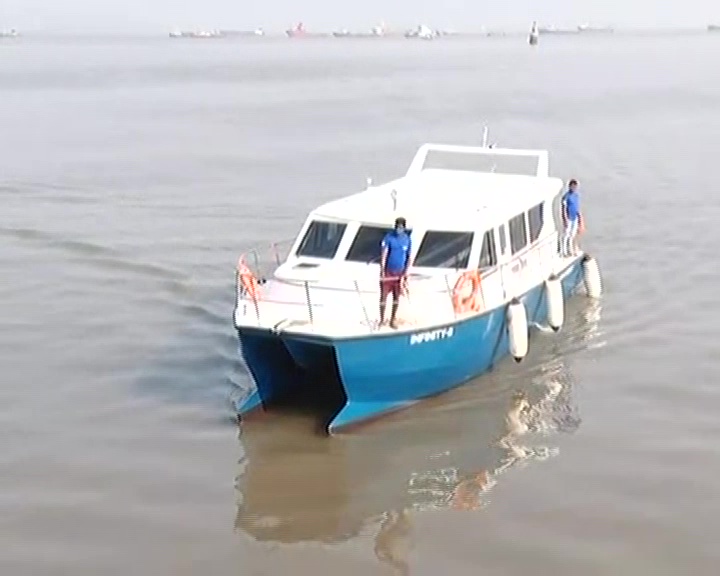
(413, 314)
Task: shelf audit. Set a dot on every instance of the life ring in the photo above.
(248, 280)
(470, 303)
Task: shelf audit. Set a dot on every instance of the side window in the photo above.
(488, 256)
(518, 233)
(366, 244)
(503, 241)
(535, 221)
(444, 249)
(321, 239)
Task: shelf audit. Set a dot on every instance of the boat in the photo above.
(344, 33)
(533, 37)
(196, 34)
(713, 28)
(300, 32)
(587, 28)
(242, 33)
(375, 32)
(422, 32)
(11, 33)
(552, 30)
(485, 265)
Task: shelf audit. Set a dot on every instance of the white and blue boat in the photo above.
(486, 267)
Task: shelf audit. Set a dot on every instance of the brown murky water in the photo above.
(133, 171)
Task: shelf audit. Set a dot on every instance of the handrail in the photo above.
(259, 253)
(360, 289)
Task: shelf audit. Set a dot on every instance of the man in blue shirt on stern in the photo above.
(394, 261)
(572, 219)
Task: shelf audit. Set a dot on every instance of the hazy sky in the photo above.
(148, 15)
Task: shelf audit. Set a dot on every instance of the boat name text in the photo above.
(432, 335)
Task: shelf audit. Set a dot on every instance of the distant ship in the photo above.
(12, 33)
(422, 32)
(300, 32)
(375, 32)
(235, 33)
(552, 30)
(588, 28)
(533, 37)
(714, 28)
(582, 28)
(196, 34)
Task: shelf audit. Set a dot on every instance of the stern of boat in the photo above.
(280, 327)
(287, 370)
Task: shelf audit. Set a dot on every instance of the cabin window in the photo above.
(321, 239)
(503, 241)
(535, 221)
(366, 245)
(518, 233)
(488, 256)
(444, 249)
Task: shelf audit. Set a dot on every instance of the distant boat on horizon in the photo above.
(300, 32)
(422, 32)
(581, 28)
(215, 33)
(552, 30)
(713, 27)
(375, 32)
(11, 33)
(231, 33)
(195, 34)
(533, 37)
(589, 28)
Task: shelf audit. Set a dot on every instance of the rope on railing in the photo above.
(362, 303)
(450, 295)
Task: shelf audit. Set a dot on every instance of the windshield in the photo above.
(445, 249)
(321, 239)
(366, 245)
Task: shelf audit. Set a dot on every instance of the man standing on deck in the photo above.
(572, 219)
(394, 261)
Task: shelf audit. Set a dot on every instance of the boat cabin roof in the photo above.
(442, 198)
(452, 187)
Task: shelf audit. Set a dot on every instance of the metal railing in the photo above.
(301, 299)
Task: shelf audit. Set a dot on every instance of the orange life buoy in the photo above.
(467, 303)
(249, 282)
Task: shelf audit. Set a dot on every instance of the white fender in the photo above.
(517, 329)
(591, 277)
(555, 302)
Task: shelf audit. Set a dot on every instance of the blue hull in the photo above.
(390, 371)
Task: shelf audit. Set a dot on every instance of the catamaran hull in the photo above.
(387, 372)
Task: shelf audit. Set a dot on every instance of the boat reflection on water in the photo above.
(445, 454)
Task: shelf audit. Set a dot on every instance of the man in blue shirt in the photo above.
(394, 261)
(572, 219)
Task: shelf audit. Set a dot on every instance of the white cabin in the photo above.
(468, 208)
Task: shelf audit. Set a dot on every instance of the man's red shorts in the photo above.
(391, 285)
